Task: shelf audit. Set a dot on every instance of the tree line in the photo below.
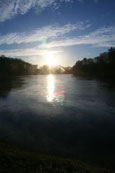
(100, 66)
(13, 66)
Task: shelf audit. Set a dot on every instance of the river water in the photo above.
(59, 115)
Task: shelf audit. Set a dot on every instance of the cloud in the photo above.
(28, 52)
(103, 37)
(41, 34)
(10, 8)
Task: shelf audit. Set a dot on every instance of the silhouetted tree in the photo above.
(101, 66)
(11, 66)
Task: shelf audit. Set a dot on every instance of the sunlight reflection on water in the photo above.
(52, 95)
(51, 88)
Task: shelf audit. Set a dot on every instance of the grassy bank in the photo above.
(15, 160)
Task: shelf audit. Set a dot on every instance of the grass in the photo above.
(15, 160)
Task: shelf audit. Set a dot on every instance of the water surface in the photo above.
(60, 115)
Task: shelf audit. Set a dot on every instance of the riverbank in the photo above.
(15, 160)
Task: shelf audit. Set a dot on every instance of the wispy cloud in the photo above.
(48, 32)
(39, 35)
(28, 52)
(104, 37)
(10, 8)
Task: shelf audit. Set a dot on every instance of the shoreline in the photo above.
(16, 160)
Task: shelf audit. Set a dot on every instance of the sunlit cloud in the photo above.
(51, 36)
(28, 52)
(41, 34)
(104, 37)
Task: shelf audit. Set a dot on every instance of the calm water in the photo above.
(60, 115)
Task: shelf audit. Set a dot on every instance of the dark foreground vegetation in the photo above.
(13, 66)
(101, 66)
(18, 161)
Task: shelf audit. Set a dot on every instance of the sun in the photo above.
(51, 60)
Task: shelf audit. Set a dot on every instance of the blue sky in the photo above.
(67, 30)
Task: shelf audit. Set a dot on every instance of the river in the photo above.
(59, 115)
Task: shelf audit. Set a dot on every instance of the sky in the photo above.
(66, 30)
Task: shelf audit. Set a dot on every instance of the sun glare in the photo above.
(51, 60)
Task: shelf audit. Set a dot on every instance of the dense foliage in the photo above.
(101, 66)
(11, 66)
